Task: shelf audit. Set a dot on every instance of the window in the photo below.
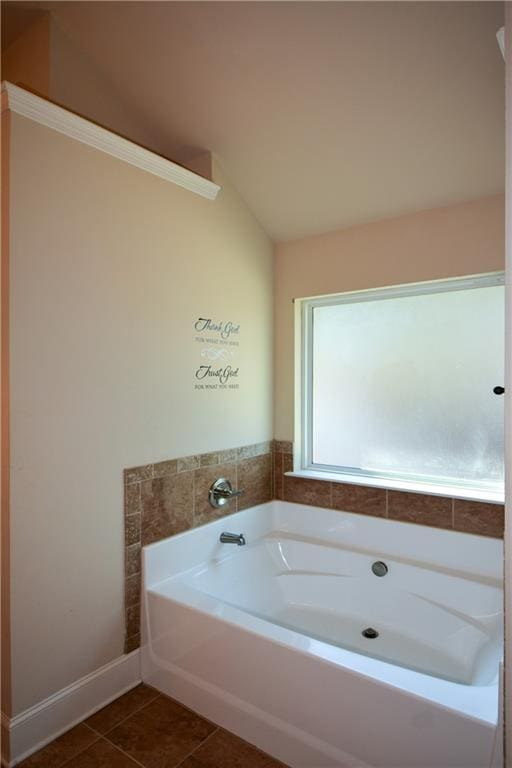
(397, 383)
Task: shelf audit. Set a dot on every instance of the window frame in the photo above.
(303, 417)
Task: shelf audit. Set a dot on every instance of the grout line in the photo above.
(283, 495)
(157, 695)
(237, 487)
(183, 706)
(127, 754)
(189, 754)
(281, 478)
(387, 503)
(194, 495)
(66, 762)
(135, 711)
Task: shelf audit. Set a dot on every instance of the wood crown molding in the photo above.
(59, 119)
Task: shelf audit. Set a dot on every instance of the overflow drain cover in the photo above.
(379, 568)
(370, 633)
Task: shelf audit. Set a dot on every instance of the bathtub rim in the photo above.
(269, 510)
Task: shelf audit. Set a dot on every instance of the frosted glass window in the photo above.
(402, 386)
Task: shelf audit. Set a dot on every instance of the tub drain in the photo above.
(370, 633)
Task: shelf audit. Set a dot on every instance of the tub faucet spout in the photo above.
(232, 538)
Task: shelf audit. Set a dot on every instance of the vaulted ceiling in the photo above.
(324, 114)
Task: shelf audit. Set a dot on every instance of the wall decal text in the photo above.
(220, 342)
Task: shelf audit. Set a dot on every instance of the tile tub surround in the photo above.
(171, 496)
(475, 517)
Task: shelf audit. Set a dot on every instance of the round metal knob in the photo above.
(221, 492)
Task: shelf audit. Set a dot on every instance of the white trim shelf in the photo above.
(46, 113)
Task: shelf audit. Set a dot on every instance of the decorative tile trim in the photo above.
(476, 517)
(168, 497)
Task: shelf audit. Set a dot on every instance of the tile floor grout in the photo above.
(104, 735)
(66, 762)
(100, 739)
(158, 695)
(215, 730)
(184, 706)
(131, 757)
(135, 711)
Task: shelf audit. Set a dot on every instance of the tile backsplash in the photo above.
(439, 511)
(171, 496)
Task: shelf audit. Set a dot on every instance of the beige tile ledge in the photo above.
(451, 491)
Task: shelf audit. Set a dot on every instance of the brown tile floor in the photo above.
(145, 728)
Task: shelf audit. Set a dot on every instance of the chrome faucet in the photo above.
(221, 492)
(232, 538)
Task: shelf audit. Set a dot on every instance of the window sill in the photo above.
(453, 491)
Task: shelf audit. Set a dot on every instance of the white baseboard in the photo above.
(32, 729)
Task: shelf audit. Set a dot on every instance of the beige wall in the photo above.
(444, 242)
(106, 282)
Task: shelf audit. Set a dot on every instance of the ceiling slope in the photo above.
(324, 114)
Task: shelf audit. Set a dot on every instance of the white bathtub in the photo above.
(265, 639)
